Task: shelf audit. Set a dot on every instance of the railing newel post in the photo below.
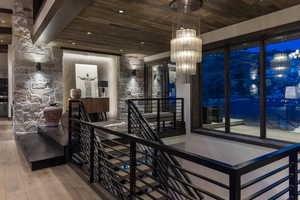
(92, 153)
(293, 176)
(129, 117)
(182, 110)
(132, 170)
(70, 132)
(235, 185)
(158, 116)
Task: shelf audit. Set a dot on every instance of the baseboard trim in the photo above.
(271, 143)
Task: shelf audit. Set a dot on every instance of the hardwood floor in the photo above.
(18, 182)
(232, 153)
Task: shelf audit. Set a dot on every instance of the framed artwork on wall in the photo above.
(87, 80)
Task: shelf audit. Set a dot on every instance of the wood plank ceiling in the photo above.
(145, 25)
(5, 29)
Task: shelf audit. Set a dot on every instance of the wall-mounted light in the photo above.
(38, 66)
(133, 73)
(121, 11)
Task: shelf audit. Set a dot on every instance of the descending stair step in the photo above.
(141, 169)
(116, 149)
(140, 186)
(154, 195)
(124, 160)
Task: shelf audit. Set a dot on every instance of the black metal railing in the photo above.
(161, 113)
(131, 166)
(138, 125)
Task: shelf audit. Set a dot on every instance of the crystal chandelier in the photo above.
(186, 51)
(186, 45)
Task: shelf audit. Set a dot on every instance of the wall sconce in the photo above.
(38, 66)
(133, 72)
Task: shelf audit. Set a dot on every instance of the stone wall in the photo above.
(130, 86)
(33, 90)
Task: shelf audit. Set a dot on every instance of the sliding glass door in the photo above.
(262, 86)
(283, 90)
(213, 91)
(244, 90)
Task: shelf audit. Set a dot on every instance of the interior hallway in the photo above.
(18, 182)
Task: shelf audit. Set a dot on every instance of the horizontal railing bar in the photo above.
(191, 198)
(181, 181)
(140, 116)
(192, 186)
(217, 165)
(256, 180)
(266, 189)
(155, 99)
(264, 160)
(276, 196)
(192, 173)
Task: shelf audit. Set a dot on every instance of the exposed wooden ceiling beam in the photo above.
(56, 17)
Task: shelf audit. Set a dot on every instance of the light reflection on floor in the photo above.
(232, 153)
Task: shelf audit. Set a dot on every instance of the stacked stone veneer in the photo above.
(33, 90)
(130, 86)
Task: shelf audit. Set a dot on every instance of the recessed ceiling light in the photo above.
(1, 41)
(121, 50)
(2, 21)
(142, 43)
(74, 43)
(121, 11)
(89, 33)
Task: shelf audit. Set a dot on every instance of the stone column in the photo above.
(33, 90)
(131, 85)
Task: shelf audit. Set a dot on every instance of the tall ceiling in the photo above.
(145, 25)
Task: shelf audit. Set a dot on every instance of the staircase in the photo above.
(113, 162)
(139, 166)
(112, 165)
(165, 163)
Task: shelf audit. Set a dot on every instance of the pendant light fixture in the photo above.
(186, 44)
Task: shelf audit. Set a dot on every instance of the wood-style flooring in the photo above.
(18, 182)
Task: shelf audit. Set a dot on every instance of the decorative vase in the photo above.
(75, 93)
(52, 115)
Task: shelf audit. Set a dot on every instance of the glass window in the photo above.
(283, 90)
(213, 91)
(244, 80)
(172, 80)
(157, 81)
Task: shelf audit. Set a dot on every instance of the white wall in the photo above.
(110, 65)
(10, 80)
